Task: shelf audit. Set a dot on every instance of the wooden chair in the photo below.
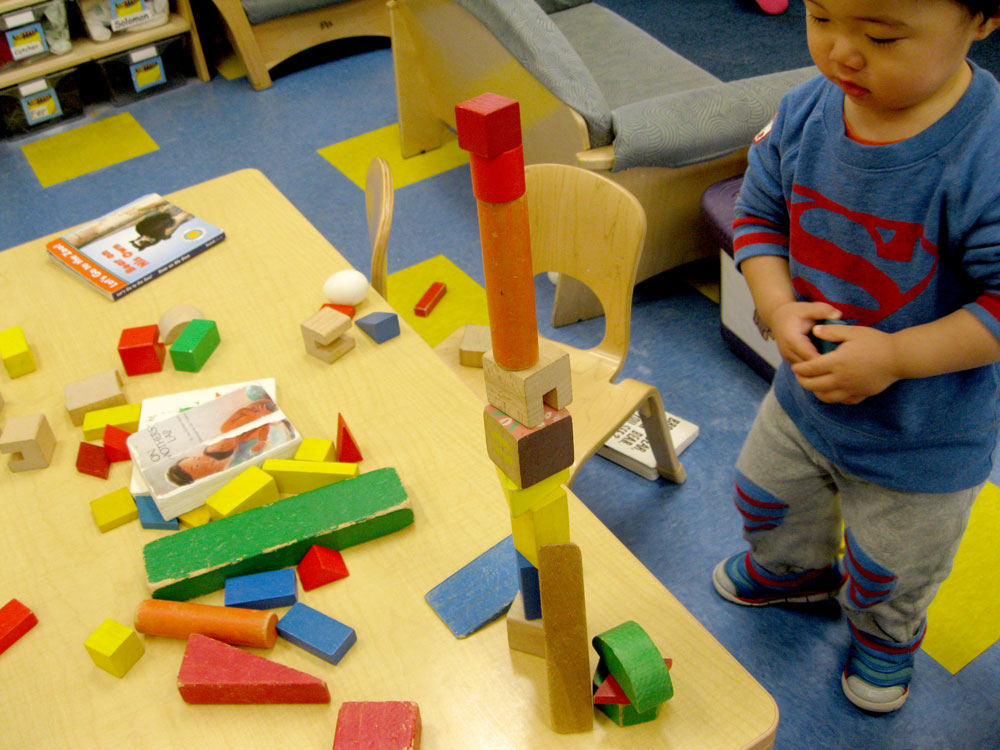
(378, 208)
(586, 226)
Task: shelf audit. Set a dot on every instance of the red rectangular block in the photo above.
(430, 299)
(141, 350)
(15, 621)
(378, 725)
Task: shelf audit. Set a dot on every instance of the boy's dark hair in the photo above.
(985, 8)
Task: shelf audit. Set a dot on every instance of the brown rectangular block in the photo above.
(527, 455)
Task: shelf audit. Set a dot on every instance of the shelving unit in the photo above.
(84, 49)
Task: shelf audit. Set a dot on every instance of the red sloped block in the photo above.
(215, 672)
(15, 621)
(347, 449)
(321, 565)
(114, 443)
(378, 725)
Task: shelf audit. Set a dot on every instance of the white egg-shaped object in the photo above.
(346, 287)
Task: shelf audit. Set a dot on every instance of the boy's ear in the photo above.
(988, 25)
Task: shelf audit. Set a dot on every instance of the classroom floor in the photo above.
(200, 131)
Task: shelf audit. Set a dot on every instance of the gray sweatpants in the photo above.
(900, 545)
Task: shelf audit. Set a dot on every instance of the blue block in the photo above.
(150, 516)
(478, 593)
(380, 326)
(317, 633)
(273, 588)
(531, 595)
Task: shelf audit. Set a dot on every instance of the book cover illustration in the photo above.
(629, 446)
(132, 245)
(186, 457)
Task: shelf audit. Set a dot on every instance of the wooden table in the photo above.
(407, 411)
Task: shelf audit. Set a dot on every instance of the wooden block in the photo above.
(622, 714)
(199, 560)
(251, 488)
(567, 653)
(527, 455)
(475, 343)
(547, 524)
(380, 326)
(197, 517)
(636, 663)
(609, 691)
(348, 310)
(115, 448)
(174, 320)
(531, 596)
(125, 416)
(347, 446)
(150, 516)
(488, 124)
(236, 626)
(15, 352)
(267, 590)
(114, 509)
(141, 350)
(15, 620)
(213, 672)
(540, 493)
(316, 449)
(30, 441)
(195, 345)
(523, 634)
(293, 477)
(317, 633)
(99, 391)
(523, 394)
(479, 592)
(430, 299)
(325, 334)
(91, 459)
(381, 725)
(114, 647)
(319, 566)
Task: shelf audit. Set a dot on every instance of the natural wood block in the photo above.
(527, 455)
(199, 560)
(251, 488)
(523, 394)
(114, 509)
(174, 320)
(114, 647)
(381, 725)
(99, 391)
(567, 652)
(325, 334)
(546, 524)
(293, 477)
(125, 416)
(474, 345)
(30, 441)
(635, 662)
(15, 352)
(236, 626)
(316, 449)
(524, 634)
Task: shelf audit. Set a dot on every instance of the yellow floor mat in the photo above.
(353, 155)
(962, 620)
(464, 302)
(87, 148)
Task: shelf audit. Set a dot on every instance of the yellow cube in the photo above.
(548, 524)
(316, 449)
(251, 488)
(15, 352)
(114, 647)
(114, 509)
(520, 501)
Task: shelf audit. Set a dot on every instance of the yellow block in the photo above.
(548, 524)
(197, 517)
(15, 352)
(353, 156)
(231, 67)
(316, 449)
(250, 488)
(114, 509)
(125, 416)
(464, 302)
(294, 476)
(87, 148)
(522, 500)
(962, 620)
(114, 647)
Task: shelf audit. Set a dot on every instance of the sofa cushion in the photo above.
(259, 11)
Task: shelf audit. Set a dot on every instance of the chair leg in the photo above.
(658, 433)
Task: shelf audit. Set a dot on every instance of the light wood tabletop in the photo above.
(406, 410)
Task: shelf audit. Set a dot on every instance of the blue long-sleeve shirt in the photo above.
(893, 236)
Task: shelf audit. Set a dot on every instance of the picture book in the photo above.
(629, 446)
(186, 454)
(133, 245)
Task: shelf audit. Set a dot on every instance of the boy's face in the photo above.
(894, 59)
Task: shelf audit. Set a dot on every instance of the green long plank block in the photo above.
(199, 560)
(631, 656)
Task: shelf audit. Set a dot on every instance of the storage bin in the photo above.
(33, 32)
(41, 102)
(105, 18)
(146, 70)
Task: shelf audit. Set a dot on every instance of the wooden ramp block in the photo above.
(236, 626)
(567, 653)
(30, 441)
(347, 446)
(216, 673)
(15, 620)
(321, 565)
(199, 560)
(635, 662)
(378, 725)
(251, 488)
(316, 449)
(293, 477)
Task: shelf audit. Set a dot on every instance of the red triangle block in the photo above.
(217, 673)
(321, 565)
(347, 449)
(610, 693)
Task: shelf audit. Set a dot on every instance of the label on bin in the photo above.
(147, 73)
(26, 41)
(127, 14)
(41, 106)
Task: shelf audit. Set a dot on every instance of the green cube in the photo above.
(195, 345)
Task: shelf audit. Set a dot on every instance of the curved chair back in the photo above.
(378, 209)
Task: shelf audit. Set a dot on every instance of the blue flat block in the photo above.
(150, 516)
(531, 595)
(380, 326)
(317, 633)
(478, 593)
(273, 588)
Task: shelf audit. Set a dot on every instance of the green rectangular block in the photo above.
(199, 560)
(195, 345)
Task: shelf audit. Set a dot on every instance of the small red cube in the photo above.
(90, 459)
(141, 350)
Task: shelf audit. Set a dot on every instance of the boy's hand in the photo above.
(863, 364)
(791, 323)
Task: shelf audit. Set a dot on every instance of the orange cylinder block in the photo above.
(234, 625)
